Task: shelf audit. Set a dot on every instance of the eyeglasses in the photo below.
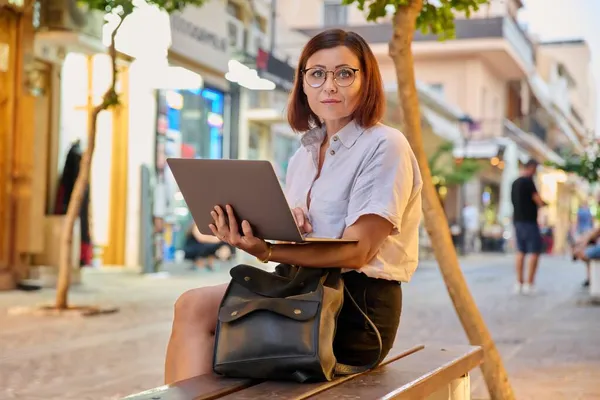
(342, 76)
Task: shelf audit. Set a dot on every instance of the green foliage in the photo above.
(437, 16)
(451, 173)
(125, 7)
(585, 166)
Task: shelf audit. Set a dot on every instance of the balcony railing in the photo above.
(541, 90)
(554, 98)
(485, 130)
(531, 124)
(497, 27)
(559, 90)
(489, 129)
(519, 42)
(474, 28)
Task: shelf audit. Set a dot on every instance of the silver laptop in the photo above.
(250, 187)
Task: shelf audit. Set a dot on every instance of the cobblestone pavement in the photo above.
(550, 342)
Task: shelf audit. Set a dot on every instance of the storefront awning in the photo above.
(536, 147)
(443, 127)
(441, 115)
(479, 149)
(429, 97)
(486, 149)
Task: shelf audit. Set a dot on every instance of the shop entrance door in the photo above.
(23, 146)
(8, 52)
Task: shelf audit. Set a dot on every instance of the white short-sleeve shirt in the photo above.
(365, 171)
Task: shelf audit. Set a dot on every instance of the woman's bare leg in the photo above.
(190, 348)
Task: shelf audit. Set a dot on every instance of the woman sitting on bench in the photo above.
(352, 178)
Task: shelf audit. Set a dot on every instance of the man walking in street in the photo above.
(526, 201)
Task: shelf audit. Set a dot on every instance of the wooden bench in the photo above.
(421, 372)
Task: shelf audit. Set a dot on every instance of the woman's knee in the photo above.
(199, 306)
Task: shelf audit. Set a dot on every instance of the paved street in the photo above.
(550, 342)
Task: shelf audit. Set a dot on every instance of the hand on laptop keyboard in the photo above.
(302, 220)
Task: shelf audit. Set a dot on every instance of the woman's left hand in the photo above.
(225, 227)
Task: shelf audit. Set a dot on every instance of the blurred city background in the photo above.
(518, 82)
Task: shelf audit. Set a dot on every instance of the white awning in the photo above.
(442, 127)
(490, 148)
(478, 149)
(531, 143)
(430, 97)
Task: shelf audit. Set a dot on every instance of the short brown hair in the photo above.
(371, 107)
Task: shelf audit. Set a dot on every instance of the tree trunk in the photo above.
(435, 221)
(66, 239)
(73, 210)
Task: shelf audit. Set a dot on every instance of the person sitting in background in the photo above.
(585, 220)
(587, 249)
(203, 249)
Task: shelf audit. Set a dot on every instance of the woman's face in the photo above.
(332, 83)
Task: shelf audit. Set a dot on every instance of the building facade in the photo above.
(502, 79)
(178, 98)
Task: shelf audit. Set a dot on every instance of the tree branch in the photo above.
(112, 51)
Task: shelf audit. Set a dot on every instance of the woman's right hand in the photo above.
(302, 220)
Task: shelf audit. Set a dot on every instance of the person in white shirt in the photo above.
(352, 178)
(470, 216)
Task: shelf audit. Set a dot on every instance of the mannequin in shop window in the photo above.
(63, 196)
(204, 249)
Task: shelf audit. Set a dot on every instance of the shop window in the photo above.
(254, 100)
(254, 139)
(189, 125)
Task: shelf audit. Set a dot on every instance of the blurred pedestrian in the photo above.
(526, 201)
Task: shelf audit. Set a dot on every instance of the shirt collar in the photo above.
(350, 133)
(313, 136)
(347, 135)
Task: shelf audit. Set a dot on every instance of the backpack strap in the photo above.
(345, 369)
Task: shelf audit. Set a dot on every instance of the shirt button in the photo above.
(332, 152)
(335, 138)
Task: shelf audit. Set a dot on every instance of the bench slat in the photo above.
(413, 377)
(281, 390)
(211, 386)
(203, 387)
